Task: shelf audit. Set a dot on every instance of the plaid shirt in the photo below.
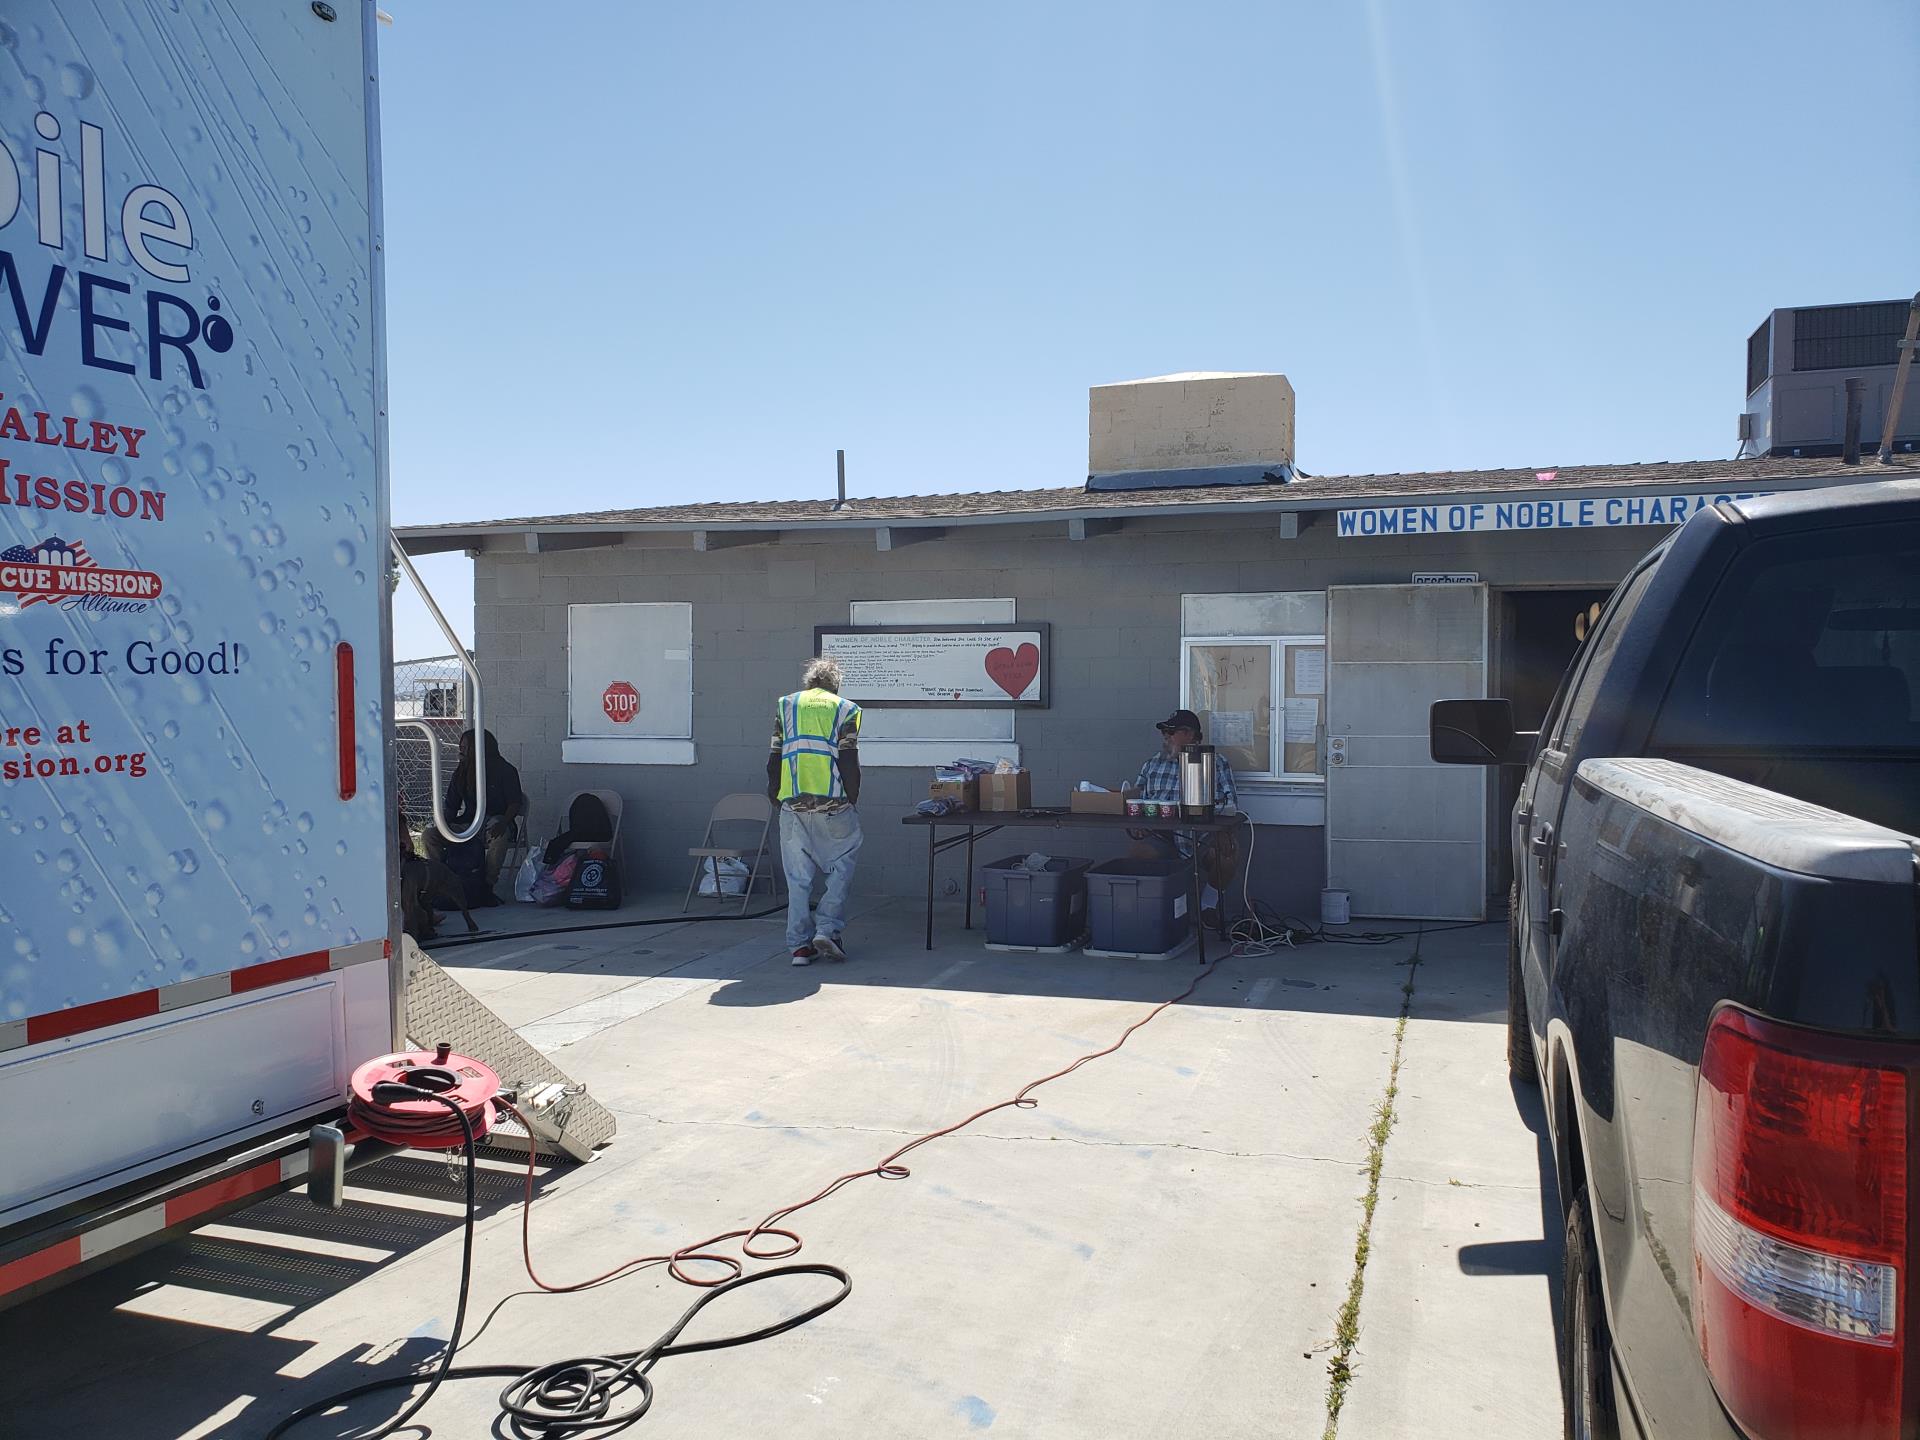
(1160, 780)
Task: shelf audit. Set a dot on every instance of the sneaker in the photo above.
(804, 955)
(828, 946)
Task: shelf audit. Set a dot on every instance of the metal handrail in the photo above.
(433, 743)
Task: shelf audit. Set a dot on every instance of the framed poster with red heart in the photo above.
(944, 666)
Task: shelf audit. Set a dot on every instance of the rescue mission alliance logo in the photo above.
(56, 571)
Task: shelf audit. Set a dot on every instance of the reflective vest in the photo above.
(810, 726)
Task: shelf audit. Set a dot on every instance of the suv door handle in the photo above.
(1543, 840)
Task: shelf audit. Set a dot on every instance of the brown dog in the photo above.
(427, 886)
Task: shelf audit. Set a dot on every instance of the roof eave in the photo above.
(430, 539)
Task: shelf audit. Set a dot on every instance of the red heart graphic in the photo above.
(1013, 670)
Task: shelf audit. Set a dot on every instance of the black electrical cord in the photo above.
(573, 1396)
(389, 1092)
(565, 1397)
(1301, 933)
(448, 942)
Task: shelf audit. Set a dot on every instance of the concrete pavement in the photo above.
(1458, 1321)
(1160, 1248)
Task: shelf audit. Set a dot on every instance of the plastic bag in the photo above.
(596, 883)
(529, 874)
(731, 879)
(552, 886)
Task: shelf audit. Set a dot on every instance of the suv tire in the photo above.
(1586, 1359)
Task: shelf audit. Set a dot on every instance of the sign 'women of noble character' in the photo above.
(1601, 513)
(952, 665)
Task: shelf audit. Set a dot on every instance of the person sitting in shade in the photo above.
(1159, 780)
(478, 861)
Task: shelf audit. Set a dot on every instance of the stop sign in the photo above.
(621, 702)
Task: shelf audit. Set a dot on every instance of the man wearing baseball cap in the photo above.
(1159, 779)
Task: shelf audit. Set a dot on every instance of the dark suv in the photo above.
(1714, 970)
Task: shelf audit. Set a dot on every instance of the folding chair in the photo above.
(614, 805)
(733, 809)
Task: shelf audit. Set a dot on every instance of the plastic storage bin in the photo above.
(1139, 907)
(1036, 909)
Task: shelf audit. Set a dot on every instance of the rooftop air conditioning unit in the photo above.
(1798, 363)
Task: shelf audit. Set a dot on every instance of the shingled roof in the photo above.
(1318, 492)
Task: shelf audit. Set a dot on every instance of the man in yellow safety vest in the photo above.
(813, 774)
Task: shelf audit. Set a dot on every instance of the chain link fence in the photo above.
(432, 689)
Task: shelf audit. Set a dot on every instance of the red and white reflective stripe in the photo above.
(124, 1230)
(78, 1019)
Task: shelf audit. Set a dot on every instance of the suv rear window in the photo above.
(1811, 643)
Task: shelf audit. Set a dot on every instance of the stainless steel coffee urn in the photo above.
(1196, 782)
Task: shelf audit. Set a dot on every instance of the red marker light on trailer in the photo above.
(343, 709)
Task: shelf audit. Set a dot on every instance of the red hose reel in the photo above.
(380, 1104)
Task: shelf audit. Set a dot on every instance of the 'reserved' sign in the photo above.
(970, 666)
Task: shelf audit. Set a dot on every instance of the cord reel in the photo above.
(385, 1100)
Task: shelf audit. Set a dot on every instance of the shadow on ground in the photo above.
(223, 1292)
(1340, 975)
(1541, 1255)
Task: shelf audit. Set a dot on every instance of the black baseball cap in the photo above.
(1179, 720)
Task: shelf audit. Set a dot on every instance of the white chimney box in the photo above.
(1193, 419)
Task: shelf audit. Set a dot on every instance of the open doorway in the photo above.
(1540, 633)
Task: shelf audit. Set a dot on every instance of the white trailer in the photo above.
(197, 932)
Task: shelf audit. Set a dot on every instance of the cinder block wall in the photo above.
(1113, 601)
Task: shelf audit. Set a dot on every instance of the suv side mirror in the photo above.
(1476, 732)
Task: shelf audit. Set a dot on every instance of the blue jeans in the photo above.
(814, 842)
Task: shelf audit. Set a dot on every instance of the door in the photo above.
(1405, 836)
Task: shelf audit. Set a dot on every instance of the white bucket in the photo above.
(1336, 907)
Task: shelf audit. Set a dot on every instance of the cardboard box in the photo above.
(1007, 792)
(1111, 802)
(966, 791)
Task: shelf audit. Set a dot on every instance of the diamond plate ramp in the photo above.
(441, 1008)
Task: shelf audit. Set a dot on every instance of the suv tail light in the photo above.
(1800, 1227)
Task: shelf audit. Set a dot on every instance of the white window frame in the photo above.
(1278, 648)
(653, 744)
(879, 752)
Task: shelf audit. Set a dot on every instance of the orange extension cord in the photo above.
(888, 1168)
(603, 1394)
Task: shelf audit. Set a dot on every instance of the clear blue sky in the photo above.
(641, 252)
